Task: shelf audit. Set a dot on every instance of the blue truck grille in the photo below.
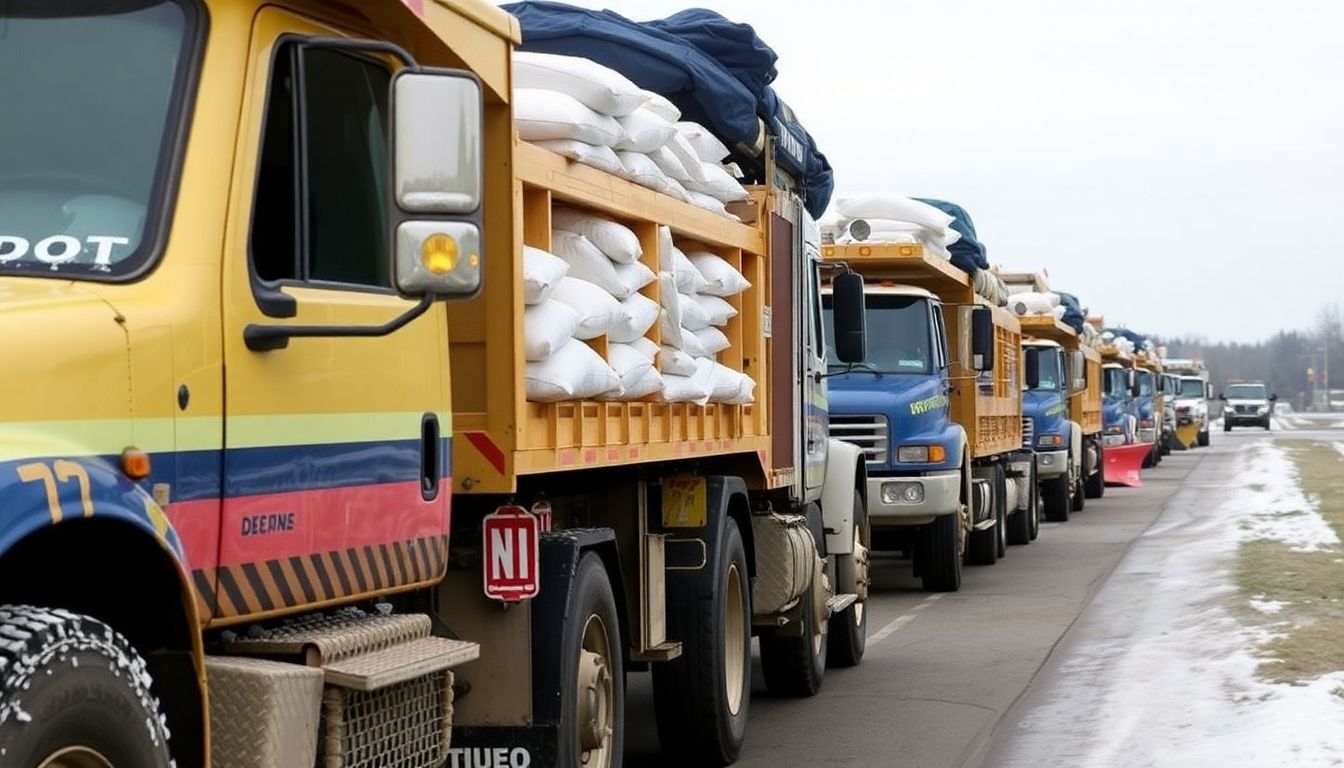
(868, 431)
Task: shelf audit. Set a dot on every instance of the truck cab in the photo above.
(1192, 408)
(1053, 376)
(1119, 406)
(1148, 404)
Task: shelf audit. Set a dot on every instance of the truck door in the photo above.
(816, 408)
(335, 456)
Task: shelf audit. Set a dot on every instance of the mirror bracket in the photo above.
(266, 338)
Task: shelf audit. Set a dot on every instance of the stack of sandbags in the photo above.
(588, 287)
(1032, 303)
(595, 115)
(695, 288)
(889, 218)
(991, 287)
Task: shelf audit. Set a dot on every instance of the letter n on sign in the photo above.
(511, 554)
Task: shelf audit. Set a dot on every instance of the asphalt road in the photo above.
(947, 678)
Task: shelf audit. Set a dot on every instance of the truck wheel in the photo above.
(592, 716)
(1266, 423)
(1020, 523)
(849, 628)
(1227, 426)
(1203, 438)
(75, 693)
(1056, 496)
(701, 698)
(942, 544)
(795, 666)
(1078, 496)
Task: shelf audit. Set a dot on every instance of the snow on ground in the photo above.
(1340, 447)
(1267, 607)
(1273, 506)
(1161, 673)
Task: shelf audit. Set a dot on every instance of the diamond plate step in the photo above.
(401, 662)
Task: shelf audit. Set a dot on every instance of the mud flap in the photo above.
(1122, 463)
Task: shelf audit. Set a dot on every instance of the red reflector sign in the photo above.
(509, 544)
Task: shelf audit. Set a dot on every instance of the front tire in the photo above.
(941, 545)
(702, 697)
(76, 693)
(1020, 523)
(1202, 440)
(849, 628)
(795, 666)
(1056, 496)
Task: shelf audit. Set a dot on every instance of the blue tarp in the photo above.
(1132, 336)
(968, 253)
(1074, 314)
(718, 73)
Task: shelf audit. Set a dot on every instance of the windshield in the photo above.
(1247, 392)
(1116, 382)
(898, 334)
(1051, 376)
(86, 89)
(1145, 381)
(1192, 388)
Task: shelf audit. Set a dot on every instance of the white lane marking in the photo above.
(903, 619)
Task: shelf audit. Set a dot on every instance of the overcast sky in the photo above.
(1177, 164)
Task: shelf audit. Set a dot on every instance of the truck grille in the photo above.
(1028, 432)
(1246, 409)
(868, 432)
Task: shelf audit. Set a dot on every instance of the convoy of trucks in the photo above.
(271, 489)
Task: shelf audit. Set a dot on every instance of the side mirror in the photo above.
(847, 314)
(982, 339)
(1273, 397)
(437, 180)
(1133, 384)
(1033, 368)
(1077, 371)
(1222, 395)
(1208, 391)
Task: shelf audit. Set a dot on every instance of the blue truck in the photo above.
(937, 410)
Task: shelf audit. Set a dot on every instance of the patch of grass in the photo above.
(1310, 628)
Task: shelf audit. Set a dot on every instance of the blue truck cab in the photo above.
(895, 407)
(1054, 375)
(1119, 406)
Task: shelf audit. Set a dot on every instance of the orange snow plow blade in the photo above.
(1122, 463)
(1186, 434)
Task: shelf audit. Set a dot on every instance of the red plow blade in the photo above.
(1122, 462)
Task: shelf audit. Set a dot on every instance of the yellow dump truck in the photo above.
(267, 500)
(937, 408)
(1064, 410)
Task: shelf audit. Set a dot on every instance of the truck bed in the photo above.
(989, 410)
(1085, 406)
(499, 435)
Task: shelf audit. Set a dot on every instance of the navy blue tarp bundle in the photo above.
(1074, 314)
(1132, 336)
(968, 253)
(718, 73)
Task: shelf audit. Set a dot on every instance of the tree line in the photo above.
(1291, 363)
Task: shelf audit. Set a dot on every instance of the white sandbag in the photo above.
(641, 169)
(718, 184)
(600, 157)
(634, 276)
(646, 347)
(693, 317)
(541, 273)
(638, 314)
(616, 241)
(692, 345)
(668, 163)
(1032, 303)
(723, 382)
(547, 115)
(721, 278)
(575, 372)
(706, 145)
(689, 279)
(1058, 312)
(547, 327)
(718, 310)
(746, 391)
(677, 190)
(712, 204)
(712, 340)
(686, 155)
(598, 310)
(883, 205)
(647, 382)
(598, 87)
(645, 131)
(670, 331)
(660, 106)
(684, 389)
(586, 262)
(675, 361)
(633, 368)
